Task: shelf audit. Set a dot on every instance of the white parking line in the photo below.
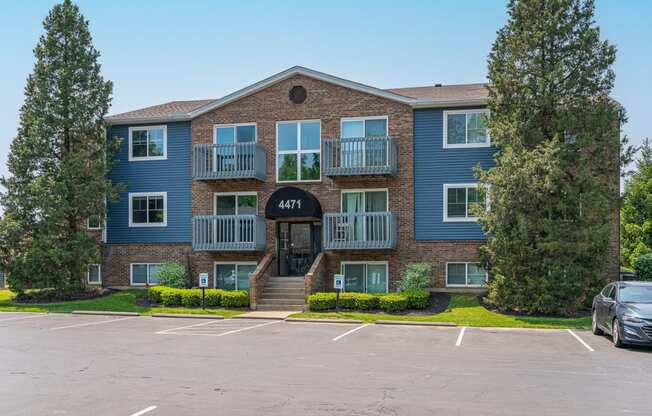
(17, 318)
(92, 323)
(177, 331)
(248, 328)
(588, 347)
(145, 410)
(350, 332)
(165, 331)
(460, 336)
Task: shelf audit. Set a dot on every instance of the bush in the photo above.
(171, 296)
(415, 277)
(347, 300)
(191, 298)
(235, 299)
(172, 274)
(417, 299)
(321, 301)
(643, 267)
(213, 297)
(394, 302)
(366, 301)
(154, 293)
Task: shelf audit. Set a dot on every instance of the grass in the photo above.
(124, 301)
(464, 310)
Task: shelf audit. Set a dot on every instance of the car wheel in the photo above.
(615, 334)
(594, 324)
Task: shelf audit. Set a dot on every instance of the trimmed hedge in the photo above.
(417, 299)
(643, 267)
(397, 302)
(394, 303)
(321, 301)
(191, 298)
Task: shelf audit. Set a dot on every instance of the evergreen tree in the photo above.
(554, 189)
(58, 161)
(636, 213)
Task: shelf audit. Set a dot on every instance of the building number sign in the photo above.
(289, 204)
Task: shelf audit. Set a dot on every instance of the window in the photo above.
(148, 143)
(233, 229)
(94, 274)
(465, 128)
(465, 275)
(227, 157)
(366, 228)
(94, 222)
(144, 274)
(298, 151)
(148, 209)
(461, 200)
(237, 203)
(373, 151)
(369, 277)
(234, 275)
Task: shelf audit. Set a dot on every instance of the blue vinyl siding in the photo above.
(172, 175)
(435, 166)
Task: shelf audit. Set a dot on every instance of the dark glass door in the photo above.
(297, 246)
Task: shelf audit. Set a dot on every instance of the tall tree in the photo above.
(58, 161)
(636, 212)
(554, 190)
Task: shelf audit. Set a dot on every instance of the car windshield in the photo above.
(636, 294)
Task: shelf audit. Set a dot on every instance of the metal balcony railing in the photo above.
(359, 156)
(229, 161)
(228, 233)
(359, 231)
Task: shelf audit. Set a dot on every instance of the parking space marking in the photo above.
(211, 331)
(145, 410)
(92, 323)
(460, 336)
(17, 318)
(248, 328)
(165, 331)
(349, 332)
(588, 347)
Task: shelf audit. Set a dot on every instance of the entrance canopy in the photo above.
(292, 202)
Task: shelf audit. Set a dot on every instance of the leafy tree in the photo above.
(172, 274)
(417, 276)
(58, 160)
(636, 212)
(554, 189)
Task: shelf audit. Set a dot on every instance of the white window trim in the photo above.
(236, 194)
(99, 274)
(466, 274)
(88, 225)
(236, 263)
(446, 218)
(463, 145)
(385, 263)
(147, 224)
(298, 151)
(364, 190)
(133, 158)
(131, 274)
(235, 134)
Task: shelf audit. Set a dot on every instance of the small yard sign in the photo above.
(339, 282)
(203, 279)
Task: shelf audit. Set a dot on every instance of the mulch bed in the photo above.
(52, 296)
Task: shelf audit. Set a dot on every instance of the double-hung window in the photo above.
(94, 274)
(148, 209)
(369, 277)
(461, 202)
(364, 142)
(465, 275)
(234, 222)
(148, 143)
(234, 275)
(144, 274)
(360, 227)
(229, 156)
(298, 151)
(465, 128)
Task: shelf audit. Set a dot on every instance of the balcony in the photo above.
(360, 231)
(229, 161)
(359, 156)
(228, 233)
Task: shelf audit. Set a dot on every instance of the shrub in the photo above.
(394, 302)
(154, 293)
(213, 297)
(415, 277)
(643, 267)
(191, 298)
(171, 296)
(417, 299)
(172, 274)
(347, 300)
(321, 301)
(235, 299)
(366, 301)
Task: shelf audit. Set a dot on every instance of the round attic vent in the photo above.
(298, 94)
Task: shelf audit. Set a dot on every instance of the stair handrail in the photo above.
(258, 279)
(316, 278)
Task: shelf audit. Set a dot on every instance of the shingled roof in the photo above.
(445, 92)
(168, 110)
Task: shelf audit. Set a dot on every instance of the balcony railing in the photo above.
(229, 161)
(359, 231)
(360, 156)
(228, 233)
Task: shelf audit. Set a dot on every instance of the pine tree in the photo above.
(554, 189)
(58, 161)
(636, 213)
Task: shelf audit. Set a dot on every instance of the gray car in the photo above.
(624, 310)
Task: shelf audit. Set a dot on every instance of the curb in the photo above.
(109, 313)
(326, 321)
(415, 323)
(275, 318)
(186, 315)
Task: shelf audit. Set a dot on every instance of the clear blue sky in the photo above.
(156, 50)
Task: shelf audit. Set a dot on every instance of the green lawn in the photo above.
(464, 310)
(124, 301)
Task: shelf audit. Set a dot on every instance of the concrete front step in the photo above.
(285, 286)
(294, 298)
(283, 301)
(263, 307)
(284, 289)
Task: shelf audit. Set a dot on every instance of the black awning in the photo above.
(292, 202)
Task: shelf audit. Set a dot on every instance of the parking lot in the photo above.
(60, 364)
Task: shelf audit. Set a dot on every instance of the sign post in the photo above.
(338, 284)
(203, 283)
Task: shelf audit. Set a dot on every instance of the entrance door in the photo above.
(298, 244)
